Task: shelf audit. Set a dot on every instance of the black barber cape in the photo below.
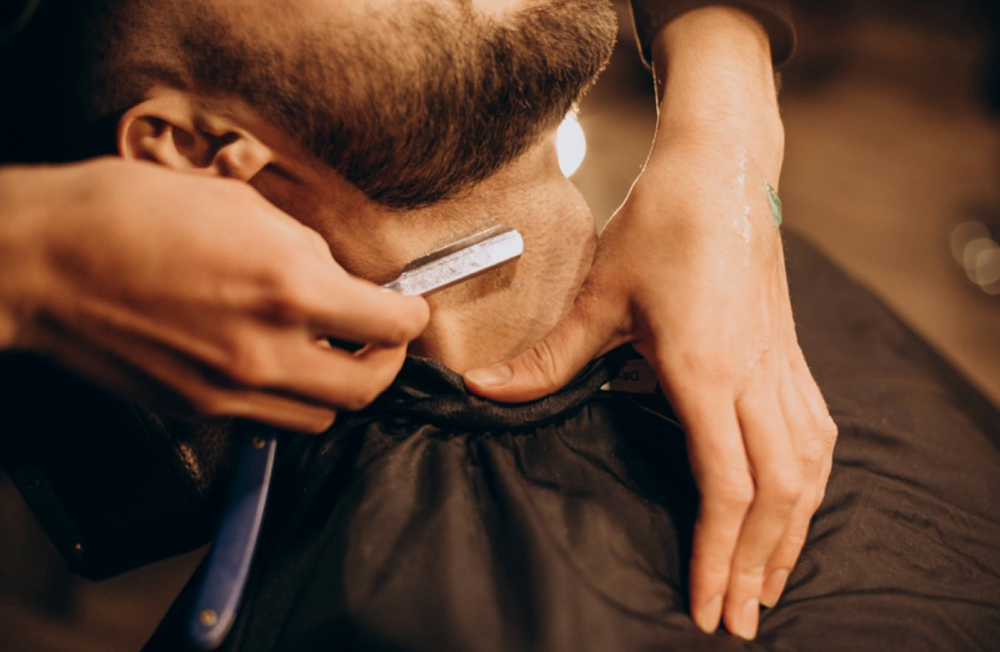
(437, 521)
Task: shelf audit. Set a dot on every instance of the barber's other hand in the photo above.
(191, 295)
(691, 272)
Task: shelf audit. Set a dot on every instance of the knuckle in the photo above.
(828, 430)
(370, 391)
(281, 297)
(402, 328)
(714, 568)
(208, 403)
(286, 304)
(250, 367)
(735, 496)
(784, 488)
(353, 402)
(796, 539)
(750, 573)
(542, 361)
(814, 457)
(818, 450)
(360, 396)
(320, 423)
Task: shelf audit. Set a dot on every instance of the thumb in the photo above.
(586, 332)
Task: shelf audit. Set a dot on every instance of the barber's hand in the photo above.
(698, 287)
(691, 272)
(191, 295)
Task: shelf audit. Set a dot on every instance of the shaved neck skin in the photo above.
(481, 321)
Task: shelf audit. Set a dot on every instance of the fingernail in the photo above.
(707, 618)
(745, 623)
(773, 586)
(491, 376)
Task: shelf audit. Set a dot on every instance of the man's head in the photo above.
(409, 100)
(340, 113)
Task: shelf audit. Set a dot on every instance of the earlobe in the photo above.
(172, 129)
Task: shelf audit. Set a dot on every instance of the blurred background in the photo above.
(892, 116)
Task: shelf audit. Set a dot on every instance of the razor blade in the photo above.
(459, 261)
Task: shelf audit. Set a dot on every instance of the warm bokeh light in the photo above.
(978, 253)
(571, 144)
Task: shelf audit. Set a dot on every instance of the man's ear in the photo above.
(174, 129)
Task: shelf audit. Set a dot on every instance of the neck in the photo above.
(483, 320)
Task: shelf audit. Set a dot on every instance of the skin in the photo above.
(760, 437)
(478, 322)
(178, 124)
(690, 271)
(209, 301)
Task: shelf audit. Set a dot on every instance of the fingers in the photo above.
(302, 401)
(789, 438)
(719, 462)
(761, 469)
(300, 392)
(778, 486)
(816, 459)
(590, 329)
(287, 380)
(787, 553)
(267, 407)
(189, 395)
(351, 309)
(331, 376)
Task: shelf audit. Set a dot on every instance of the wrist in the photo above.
(714, 76)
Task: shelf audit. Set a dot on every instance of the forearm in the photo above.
(715, 84)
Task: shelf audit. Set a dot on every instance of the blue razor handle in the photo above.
(229, 561)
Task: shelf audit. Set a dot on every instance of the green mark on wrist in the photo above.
(775, 202)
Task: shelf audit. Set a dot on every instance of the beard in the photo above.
(427, 101)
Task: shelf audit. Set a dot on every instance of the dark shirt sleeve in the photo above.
(775, 15)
